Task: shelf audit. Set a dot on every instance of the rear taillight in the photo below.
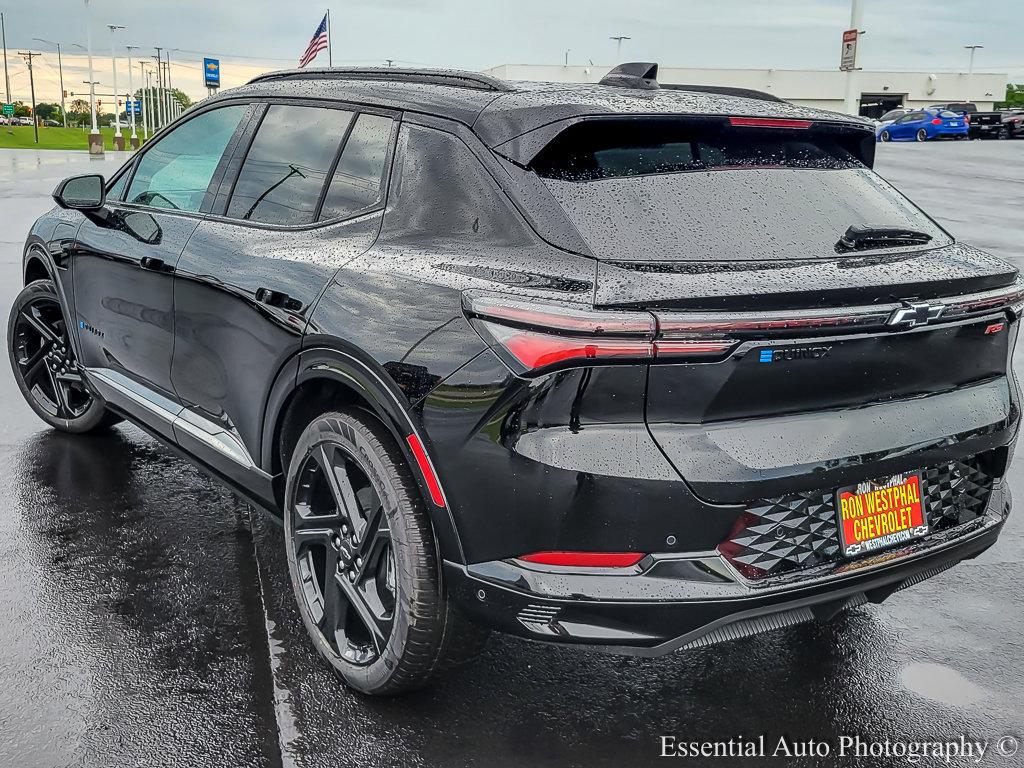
(541, 337)
(768, 122)
(585, 559)
(936, 121)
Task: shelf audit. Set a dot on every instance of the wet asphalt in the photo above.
(146, 617)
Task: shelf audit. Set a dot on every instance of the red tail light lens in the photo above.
(536, 337)
(768, 122)
(936, 121)
(585, 559)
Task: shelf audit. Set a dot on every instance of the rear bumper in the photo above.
(669, 603)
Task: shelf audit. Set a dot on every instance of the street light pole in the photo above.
(970, 69)
(130, 101)
(618, 46)
(118, 138)
(32, 84)
(851, 76)
(95, 140)
(159, 90)
(145, 104)
(170, 88)
(60, 71)
(3, 37)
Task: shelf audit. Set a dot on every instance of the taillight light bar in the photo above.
(541, 337)
(769, 122)
(585, 559)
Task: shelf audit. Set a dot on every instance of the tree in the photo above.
(180, 96)
(48, 111)
(21, 109)
(1014, 97)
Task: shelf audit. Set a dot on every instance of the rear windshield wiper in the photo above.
(862, 238)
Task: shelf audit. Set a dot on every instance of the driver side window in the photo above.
(176, 171)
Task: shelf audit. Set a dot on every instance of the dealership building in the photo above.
(826, 89)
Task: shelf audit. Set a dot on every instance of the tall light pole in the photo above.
(145, 103)
(95, 140)
(3, 38)
(118, 138)
(159, 88)
(851, 75)
(970, 69)
(129, 102)
(170, 92)
(32, 83)
(60, 71)
(618, 46)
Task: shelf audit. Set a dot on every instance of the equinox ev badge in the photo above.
(793, 353)
(915, 314)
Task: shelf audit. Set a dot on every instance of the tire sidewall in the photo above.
(922, 134)
(356, 440)
(97, 410)
(885, 136)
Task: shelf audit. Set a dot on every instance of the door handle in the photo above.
(153, 263)
(277, 299)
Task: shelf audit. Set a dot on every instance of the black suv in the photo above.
(621, 365)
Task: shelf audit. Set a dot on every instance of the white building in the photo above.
(825, 89)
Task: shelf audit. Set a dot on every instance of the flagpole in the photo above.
(330, 57)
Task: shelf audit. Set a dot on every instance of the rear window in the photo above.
(664, 190)
(947, 113)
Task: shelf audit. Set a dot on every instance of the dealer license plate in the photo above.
(880, 514)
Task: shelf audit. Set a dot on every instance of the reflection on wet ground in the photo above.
(146, 619)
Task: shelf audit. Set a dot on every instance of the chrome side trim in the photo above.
(180, 419)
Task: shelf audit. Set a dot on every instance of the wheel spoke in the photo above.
(59, 397)
(37, 323)
(339, 484)
(377, 628)
(71, 378)
(307, 537)
(334, 607)
(30, 368)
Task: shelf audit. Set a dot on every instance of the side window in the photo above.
(287, 165)
(358, 181)
(175, 172)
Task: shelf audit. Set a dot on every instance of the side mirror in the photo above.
(81, 193)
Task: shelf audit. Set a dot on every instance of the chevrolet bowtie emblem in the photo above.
(914, 314)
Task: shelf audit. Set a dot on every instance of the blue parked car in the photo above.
(924, 124)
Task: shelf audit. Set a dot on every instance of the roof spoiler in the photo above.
(635, 74)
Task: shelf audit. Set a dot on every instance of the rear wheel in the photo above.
(922, 134)
(44, 363)
(363, 560)
(885, 136)
(1004, 132)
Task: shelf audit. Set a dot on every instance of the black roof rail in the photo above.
(726, 90)
(633, 74)
(451, 77)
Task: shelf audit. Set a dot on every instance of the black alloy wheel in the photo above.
(44, 364)
(363, 560)
(346, 566)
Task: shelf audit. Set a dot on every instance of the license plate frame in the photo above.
(880, 514)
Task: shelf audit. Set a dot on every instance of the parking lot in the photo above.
(146, 616)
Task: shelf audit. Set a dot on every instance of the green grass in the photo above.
(21, 137)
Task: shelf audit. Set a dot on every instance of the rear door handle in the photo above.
(277, 299)
(153, 263)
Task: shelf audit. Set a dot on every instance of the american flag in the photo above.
(317, 44)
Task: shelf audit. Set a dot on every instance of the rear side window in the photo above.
(175, 172)
(358, 182)
(285, 170)
(648, 190)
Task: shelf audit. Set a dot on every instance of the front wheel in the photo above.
(922, 134)
(44, 363)
(885, 136)
(363, 560)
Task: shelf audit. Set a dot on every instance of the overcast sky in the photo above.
(254, 35)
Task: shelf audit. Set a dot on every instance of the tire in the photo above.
(1004, 133)
(44, 365)
(885, 136)
(922, 134)
(364, 563)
